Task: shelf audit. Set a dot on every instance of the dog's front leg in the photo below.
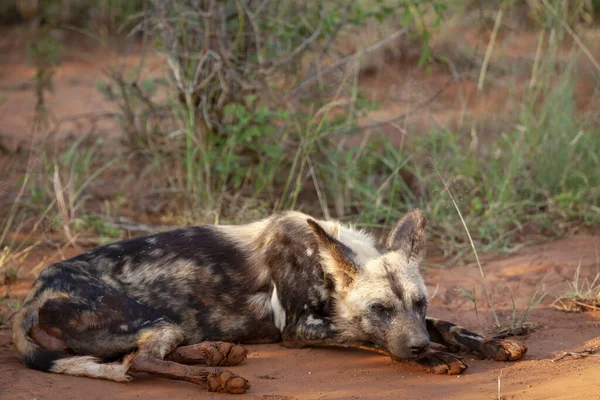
(310, 330)
(315, 331)
(457, 338)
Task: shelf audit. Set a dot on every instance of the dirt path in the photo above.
(277, 373)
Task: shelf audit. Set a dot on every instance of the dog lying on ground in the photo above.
(159, 303)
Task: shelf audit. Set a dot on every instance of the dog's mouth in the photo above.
(372, 345)
(406, 357)
(425, 354)
(411, 357)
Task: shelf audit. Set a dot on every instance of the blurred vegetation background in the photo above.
(224, 111)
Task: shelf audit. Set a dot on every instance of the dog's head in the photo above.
(380, 297)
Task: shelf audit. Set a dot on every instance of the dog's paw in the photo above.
(441, 363)
(227, 382)
(224, 354)
(504, 349)
(215, 354)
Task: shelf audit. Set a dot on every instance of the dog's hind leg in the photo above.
(87, 322)
(457, 338)
(221, 354)
(211, 379)
(156, 342)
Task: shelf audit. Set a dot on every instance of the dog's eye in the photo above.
(420, 303)
(378, 307)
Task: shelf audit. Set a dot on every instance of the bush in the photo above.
(229, 124)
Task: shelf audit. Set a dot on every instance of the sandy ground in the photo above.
(277, 373)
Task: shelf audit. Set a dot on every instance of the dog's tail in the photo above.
(60, 361)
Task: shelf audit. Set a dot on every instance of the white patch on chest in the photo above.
(278, 311)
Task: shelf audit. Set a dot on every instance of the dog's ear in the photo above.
(408, 236)
(337, 257)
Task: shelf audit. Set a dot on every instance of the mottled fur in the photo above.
(286, 278)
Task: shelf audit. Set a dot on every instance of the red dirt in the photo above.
(277, 373)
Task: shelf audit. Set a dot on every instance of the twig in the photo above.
(311, 79)
(256, 30)
(320, 195)
(91, 116)
(585, 305)
(568, 305)
(398, 118)
(462, 220)
(575, 37)
(523, 330)
(576, 354)
(488, 51)
(302, 46)
(336, 29)
(61, 203)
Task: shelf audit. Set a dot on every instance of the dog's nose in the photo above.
(419, 348)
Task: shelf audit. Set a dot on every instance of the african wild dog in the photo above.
(155, 304)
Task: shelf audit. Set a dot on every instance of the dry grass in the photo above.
(583, 294)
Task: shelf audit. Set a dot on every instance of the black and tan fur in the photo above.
(158, 303)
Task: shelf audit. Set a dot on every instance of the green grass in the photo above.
(544, 170)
